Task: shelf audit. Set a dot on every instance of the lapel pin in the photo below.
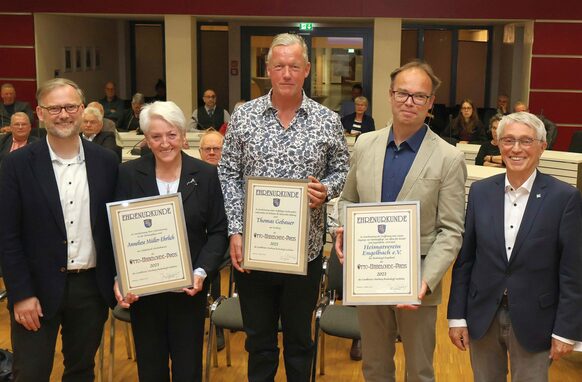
(538, 196)
(191, 181)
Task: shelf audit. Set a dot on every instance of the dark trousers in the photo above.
(169, 326)
(81, 317)
(264, 298)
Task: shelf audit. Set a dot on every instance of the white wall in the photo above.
(55, 32)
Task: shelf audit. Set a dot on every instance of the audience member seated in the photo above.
(112, 105)
(489, 154)
(10, 105)
(358, 122)
(108, 125)
(503, 104)
(19, 135)
(349, 107)
(551, 129)
(130, 119)
(210, 152)
(466, 127)
(92, 130)
(208, 116)
(160, 91)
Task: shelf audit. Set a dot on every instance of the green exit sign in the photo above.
(306, 26)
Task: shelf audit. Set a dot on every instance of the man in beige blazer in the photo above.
(407, 161)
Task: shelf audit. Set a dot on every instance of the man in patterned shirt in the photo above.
(283, 134)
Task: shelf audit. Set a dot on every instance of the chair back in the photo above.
(335, 274)
(576, 143)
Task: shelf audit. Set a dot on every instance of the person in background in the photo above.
(358, 122)
(92, 130)
(466, 128)
(283, 134)
(348, 107)
(516, 291)
(19, 135)
(503, 104)
(210, 152)
(170, 326)
(551, 128)
(210, 115)
(489, 154)
(407, 161)
(108, 125)
(112, 105)
(10, 105)
(130, 119)
(56, 253)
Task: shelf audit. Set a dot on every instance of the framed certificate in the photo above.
(276, 225)
(150, 243)
(382, 253)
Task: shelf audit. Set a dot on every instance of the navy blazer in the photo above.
(32, 228)
(205, 217)
(543, 276)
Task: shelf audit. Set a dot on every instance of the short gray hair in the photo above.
(7, 85)
(94, 112)
(524, 118)
(361, 99)
(287, 39)
(209, 132)
(167, 111)
(138, 98)
(19, 114)
(55, 83)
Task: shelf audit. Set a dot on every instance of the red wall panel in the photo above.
(556, 73)
(564, 137)
(559, 107)
(17, 30)
(17, 63)
(492, 9)
(558, 38)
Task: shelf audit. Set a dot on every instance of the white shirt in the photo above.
(71, 177)
(514, 208)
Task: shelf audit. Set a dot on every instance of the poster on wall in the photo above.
(88, 63)
(96, 58)
(78, 59)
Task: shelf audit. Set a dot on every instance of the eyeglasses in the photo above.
(523, 142)
(467, 108)
(209, 149)
(417, 99)
(56, 109)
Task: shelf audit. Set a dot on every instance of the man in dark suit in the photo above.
(10, 105)
(19, 135)
(56, 248)
(516, 284)
(92, 130)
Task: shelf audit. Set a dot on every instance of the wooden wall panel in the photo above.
(17, 30)
(557, 38)
(556, 73)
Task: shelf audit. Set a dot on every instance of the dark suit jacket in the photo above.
(6, 144)
(202, 199)
(107, 140)
(18, 106)
(32, 229)
(543, 275)
(367, 123)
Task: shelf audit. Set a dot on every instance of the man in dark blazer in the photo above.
(516, 286)
(56, 250)
(92, 130)
(10, 105)
(19, 135)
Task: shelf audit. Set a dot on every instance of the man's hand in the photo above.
(28, 312)
(126, 301)
(317, 192)
(339, 244)
(236, 255)
(197, 287)
(421, 294)
(459, 337)
(559, 349)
